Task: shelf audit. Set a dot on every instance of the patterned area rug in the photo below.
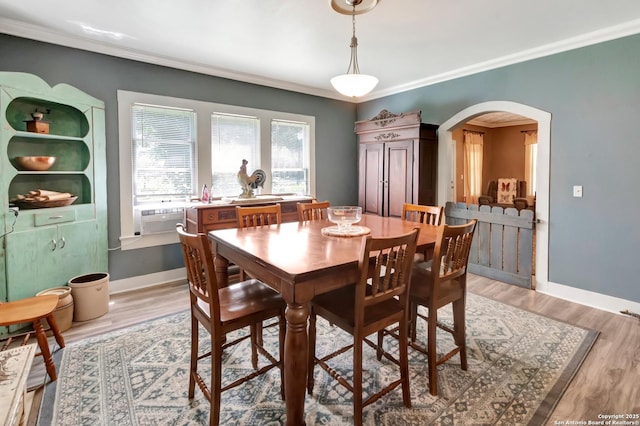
(519, 365)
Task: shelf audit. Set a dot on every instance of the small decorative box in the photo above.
(37, 126)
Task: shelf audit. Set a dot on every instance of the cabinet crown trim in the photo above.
(386, 118)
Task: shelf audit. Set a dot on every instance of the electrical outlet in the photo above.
(577, 191)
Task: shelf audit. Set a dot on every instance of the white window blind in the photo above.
(290, 157)
(163, 153)
(233, 138)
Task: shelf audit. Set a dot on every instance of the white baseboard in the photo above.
(149, 280)
(589, 298)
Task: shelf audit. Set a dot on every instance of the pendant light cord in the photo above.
(354, 45)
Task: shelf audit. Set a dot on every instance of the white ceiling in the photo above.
(300, 45)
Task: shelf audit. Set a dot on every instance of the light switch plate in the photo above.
(577, 191)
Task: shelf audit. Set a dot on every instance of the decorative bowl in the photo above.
(36, 163)
(344, 216)
(24, 204)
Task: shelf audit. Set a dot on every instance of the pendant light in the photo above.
(353, 83)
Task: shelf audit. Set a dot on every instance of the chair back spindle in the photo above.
(451, 254)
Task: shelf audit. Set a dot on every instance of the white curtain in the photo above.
(530, 157)
(473, 142)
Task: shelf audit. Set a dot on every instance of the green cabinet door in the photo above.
(30, 260)
(77, 250)
(50, 256)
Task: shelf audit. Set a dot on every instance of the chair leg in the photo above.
(44, 349)
(253, 330)
(413, 320)
(357, 381)
(193, 363)
(432, 355)
(404, 363)
(51, 320)
(259, 339)
(459, 327)
(216, 381)
(379, 350)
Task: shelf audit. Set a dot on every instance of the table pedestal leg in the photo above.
(221, 266)
(295, 362)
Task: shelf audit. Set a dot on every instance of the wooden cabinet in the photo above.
(45, 247)
(207, 217)
(398, 157)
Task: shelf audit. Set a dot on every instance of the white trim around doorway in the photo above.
(446, 172)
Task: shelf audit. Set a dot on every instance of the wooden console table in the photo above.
(15, 365)
(221, 214)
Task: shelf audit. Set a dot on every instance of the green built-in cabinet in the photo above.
(46, 247)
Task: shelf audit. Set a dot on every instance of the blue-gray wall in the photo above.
(101, 76)
(593, 95)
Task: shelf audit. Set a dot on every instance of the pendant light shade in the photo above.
(354, 84)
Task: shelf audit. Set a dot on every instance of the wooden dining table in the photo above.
(299, 262)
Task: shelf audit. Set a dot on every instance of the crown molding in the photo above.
(38, 33)
(588, 39)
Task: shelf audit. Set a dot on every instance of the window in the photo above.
(164, 142)
(289, 157)
(171, 147)
(232, 136)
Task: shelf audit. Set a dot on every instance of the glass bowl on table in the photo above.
(344, 217)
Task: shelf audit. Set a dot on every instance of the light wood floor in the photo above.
(607, 383)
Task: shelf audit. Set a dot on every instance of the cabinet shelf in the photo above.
(64, 120)
(46, 136)
(73, 183)
(71, 155)
(48, 172)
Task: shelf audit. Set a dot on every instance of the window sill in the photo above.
(134, 242)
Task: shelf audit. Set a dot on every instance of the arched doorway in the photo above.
(446, 170)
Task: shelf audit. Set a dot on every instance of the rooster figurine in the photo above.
(249, 183)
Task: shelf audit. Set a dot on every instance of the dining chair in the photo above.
(221, 311)
(438, 283)
(258, 215)
(430, 215)
(377, 300)
(33, 310)
(255, 216)
(313, 211)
